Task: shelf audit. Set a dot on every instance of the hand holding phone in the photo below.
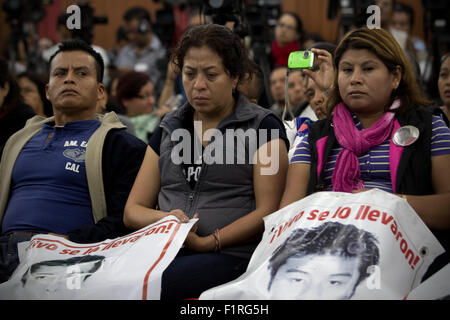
(323, 75)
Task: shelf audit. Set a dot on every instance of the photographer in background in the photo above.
(23, 40)
(145, 49)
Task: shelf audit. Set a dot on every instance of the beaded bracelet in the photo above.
(216, 236)
(217, 241)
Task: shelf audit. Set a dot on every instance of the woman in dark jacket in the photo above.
(229, 192)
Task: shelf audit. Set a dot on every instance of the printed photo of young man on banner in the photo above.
(329, 260)
(128, 267)
(331, 245)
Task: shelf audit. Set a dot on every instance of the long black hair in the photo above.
(13, 97)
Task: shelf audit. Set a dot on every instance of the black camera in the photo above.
(262, 18)
(25, 11)
(354, 12)
(223, 6)
(223, 11)
(23, 16)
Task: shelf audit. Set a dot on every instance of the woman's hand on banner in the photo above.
(197, 243)
(180, 215)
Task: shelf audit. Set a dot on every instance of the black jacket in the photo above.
(13, 121)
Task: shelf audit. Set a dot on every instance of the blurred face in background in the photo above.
(141, 40)
(277, 84)
(141, 104)
(316, 98)
(286, 30)
(296, 88)
(31, 96)
(444, 82)
(401, 21)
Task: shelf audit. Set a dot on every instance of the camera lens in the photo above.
(306, 54)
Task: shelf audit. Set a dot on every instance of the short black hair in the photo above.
(138, 13)
(256, 79)
(80, 45)
(66, 263)
(334, 238)
(129, 85)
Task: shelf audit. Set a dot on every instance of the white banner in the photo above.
(330, 245)
(437, 287)
(128, 267)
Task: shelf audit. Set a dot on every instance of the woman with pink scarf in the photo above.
(379, 133)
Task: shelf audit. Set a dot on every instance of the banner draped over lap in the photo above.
(128, 267)
(332, 245)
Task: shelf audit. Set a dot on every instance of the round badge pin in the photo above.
(405, 136)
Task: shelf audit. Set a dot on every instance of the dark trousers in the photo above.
(189, 274)
(9, 256)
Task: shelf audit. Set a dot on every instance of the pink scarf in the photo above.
(346, 174)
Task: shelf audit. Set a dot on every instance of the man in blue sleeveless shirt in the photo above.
(70, 174)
